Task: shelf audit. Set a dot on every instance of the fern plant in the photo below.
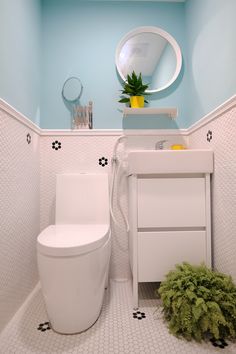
(133, 87)
(199, 303)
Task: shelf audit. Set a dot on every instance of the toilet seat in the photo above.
(70, 240)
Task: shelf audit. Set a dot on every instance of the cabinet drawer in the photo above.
(159, 252)
(171, 202)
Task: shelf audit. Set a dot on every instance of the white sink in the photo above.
(170, 161)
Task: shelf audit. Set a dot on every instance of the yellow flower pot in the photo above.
(137, 101)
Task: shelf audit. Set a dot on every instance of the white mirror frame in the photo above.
(162, 33)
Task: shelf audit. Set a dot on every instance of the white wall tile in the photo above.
(19, 214)
(81, 154)
(20, 186)
(223, 143)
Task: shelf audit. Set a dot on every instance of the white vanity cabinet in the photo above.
(166, 202)
(170, 223)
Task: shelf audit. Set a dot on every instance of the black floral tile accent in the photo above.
(103, 161)
(139, 315)
(220, 343)
(209, 135)
(56, 145)
(44, 326)
(28, 138)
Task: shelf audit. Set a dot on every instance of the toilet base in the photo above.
(73, 288)
(72, 334)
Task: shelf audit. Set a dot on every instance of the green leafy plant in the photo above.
(199, 303)
(134, 87)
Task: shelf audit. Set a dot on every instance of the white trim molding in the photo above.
(81, 132)
(154, 132)
(113, 132)
(6, 107)
(216, 113)
(86, 132)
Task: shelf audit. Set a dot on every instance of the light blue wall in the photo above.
(20, 28)
(80, 38)
(211, 38)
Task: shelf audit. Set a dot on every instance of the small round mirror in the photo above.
(152, 52)
(72, 90)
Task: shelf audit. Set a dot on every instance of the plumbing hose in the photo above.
(119, 204)
(115, 173)
(113, 168)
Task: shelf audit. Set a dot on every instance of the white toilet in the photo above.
(74, 254)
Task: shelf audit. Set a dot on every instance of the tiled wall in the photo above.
(19, 213)
(61, 154)
(219, 135)
(28, 166)
(26, 179)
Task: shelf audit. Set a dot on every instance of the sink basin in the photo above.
(170, 161)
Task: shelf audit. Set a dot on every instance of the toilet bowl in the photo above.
(73, 255)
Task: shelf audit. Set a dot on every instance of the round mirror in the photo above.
(72, 90)
(152, 52)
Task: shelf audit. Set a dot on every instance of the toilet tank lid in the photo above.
(71, 240)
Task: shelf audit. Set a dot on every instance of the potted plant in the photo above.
(199, 303)
(135, 89)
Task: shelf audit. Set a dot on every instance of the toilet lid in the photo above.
(71, 240)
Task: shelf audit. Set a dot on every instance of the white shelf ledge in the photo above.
(171, 112)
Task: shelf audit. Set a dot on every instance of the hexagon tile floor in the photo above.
(118, 330)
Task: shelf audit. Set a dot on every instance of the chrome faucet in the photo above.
(160, 144)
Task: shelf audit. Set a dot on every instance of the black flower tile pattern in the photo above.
(209, 135)
(28, 138)
(139, 315)
(103, 161)
(220, 343)
(56, 145)
(44, 326)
